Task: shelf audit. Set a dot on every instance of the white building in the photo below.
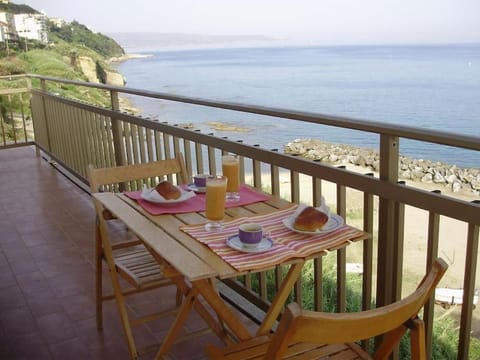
(7, 27)
(58, 22)
(32, 26)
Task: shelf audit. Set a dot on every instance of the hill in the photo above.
(73, 52)
(17, 9)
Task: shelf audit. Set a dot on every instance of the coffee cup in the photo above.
(250, 234)
(200, 180)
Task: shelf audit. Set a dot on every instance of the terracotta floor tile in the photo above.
(17, 321)
(56, 327)
(34, 239)
(43, 302)
(72, 349)
(30, 346)
(23, 265)
(7, 278)
(11, 297)
(32, 282)
(78, 306)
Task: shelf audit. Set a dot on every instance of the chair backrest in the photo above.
(139, 172)
(299, 325)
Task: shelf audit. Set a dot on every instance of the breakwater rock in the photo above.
(450, 176)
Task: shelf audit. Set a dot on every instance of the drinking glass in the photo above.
(215, 202)
(231, 169)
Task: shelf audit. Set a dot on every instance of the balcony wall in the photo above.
(76, 134)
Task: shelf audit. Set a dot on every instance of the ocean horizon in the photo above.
(426, 86)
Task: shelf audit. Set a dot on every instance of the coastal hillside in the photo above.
(72, 51)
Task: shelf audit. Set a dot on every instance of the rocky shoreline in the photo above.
(451, 177)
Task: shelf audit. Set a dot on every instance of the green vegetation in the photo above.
(445, 330)
(17, 9)
(79, 35)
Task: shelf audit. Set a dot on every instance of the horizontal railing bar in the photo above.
(438, 203)
(13, 91)
(18, 76)
(19, 144)
(428, 135)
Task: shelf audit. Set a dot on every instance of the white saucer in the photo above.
(197, 189)
(235, 243)
(334, 222)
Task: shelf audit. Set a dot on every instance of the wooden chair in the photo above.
(303, 334)
(130, 259)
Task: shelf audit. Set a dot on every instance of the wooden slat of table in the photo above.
(170, 224)
(192, 267)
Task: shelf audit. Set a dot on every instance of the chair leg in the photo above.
(122, 309)
(417, 336)
(98, 279)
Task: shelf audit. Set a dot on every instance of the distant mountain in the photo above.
(150, 41)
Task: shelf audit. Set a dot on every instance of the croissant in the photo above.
(310, 219)
(168, 191)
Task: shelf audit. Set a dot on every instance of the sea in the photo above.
(427, 86)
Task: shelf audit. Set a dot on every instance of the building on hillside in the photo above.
(7, 27)
(58, 22)
(32, 26)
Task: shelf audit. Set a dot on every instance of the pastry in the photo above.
(168, 191)
(310, 219)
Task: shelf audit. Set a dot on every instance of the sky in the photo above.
(305, 21)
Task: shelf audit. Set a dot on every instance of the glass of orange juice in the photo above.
(215, 202)
(231, 170)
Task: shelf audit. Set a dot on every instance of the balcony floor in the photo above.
(47, 304)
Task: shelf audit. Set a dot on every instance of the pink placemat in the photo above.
(196, 203)
(287, 244)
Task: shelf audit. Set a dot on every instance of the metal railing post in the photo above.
(387, 222)
(468, 291)
(43, 86)
(116, 130)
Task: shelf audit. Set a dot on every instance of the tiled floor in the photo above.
(47, 308)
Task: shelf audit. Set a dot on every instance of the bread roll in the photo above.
(168, 191)
(310, 219)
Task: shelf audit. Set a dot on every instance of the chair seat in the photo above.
(256, 348)
(139, 266)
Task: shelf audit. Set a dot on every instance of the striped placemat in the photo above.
(287, 244)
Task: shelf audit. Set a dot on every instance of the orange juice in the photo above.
(231, 169)
(215, 198)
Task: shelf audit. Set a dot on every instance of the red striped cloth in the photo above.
(197, 203)
(287, 244)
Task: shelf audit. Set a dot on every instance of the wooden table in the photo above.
(199, 265)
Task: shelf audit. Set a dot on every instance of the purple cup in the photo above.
(250, 234)
(200, 180)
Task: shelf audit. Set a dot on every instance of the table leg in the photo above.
(280, 298)
(225, 314)
(182, 315)
(190, 301)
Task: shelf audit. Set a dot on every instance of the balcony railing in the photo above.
(75, 134)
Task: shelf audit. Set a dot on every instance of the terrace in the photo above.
(47, 218)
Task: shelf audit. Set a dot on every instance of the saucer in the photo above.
(235, 243)
(197, 189)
